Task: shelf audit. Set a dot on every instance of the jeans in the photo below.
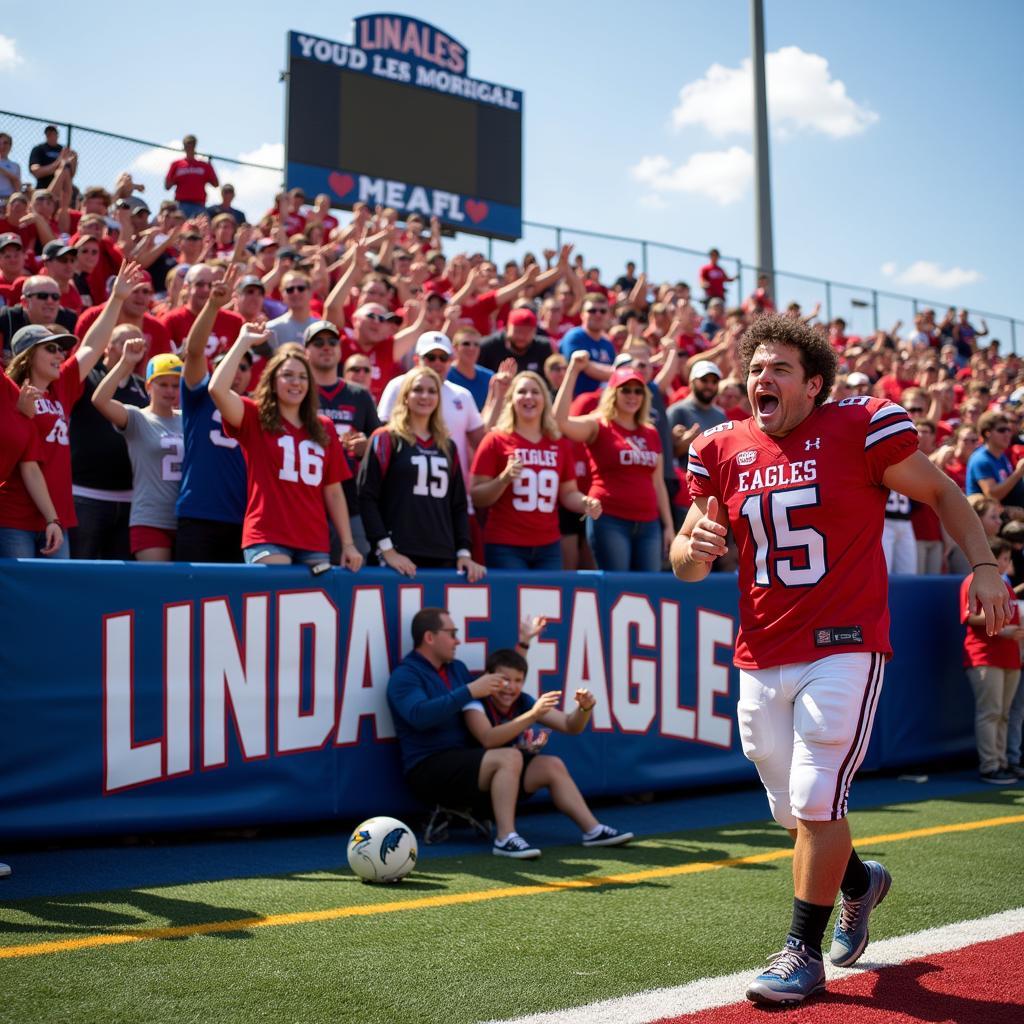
(102, 530)
(625, 545)
(546, 557)
(191, 209)
(28, 543)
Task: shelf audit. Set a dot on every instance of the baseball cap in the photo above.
(856, 379)
(522, 317)
(319, 327)
(10, 238)
(38, 334)
(433, 288)
(431, 341)
(623, 375)
(265, 243)
(287, 253)
(703, 368)
(55, 249)
(250, 281)
(163, 365)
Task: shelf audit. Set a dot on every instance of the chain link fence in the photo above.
(258, 176)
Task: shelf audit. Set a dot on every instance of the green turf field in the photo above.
(526, 937)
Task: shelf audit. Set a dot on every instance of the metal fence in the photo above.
(103, 156)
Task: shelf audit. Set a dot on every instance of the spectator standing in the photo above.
(590, 338)
(10, 172)
(226, 205)
(636, 528)
(411, 490)
(522, 472)
(294, 462)
(189, 176)
(101, 471)
(713, 278)
(155, 447)
(45, 158)
(518, 341)
(350, 407)
(993, 668)
(291, 326)
(211, 502)
(464, 371)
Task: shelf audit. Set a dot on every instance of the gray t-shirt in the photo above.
(688, 411)
(286, 329)
(156, 447)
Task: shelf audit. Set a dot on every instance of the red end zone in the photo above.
(979, 984)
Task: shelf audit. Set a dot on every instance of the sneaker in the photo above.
(515, 846)
(999, 777)
(5, 870)
(792, 974)
(1016, 770)
(608, 836)
(850, 936)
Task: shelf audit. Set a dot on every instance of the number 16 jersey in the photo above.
(807, 512)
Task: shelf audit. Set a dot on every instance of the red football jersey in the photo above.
(20, 441)
(526, 514)
(382, 362)
(622, 464)
(226, 326)
(807, 512)
(52, 418)
(189, 179)
(152, 330)
(285, 477)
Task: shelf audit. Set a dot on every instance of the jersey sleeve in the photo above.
(488, 460)
(890, 437)
(372, 471)
(701, 475)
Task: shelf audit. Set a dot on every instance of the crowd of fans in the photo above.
(207, 386)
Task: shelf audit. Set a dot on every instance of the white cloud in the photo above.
(156, 160)
(10, 59)
(802, 96)
(926, 274)
(722, 175)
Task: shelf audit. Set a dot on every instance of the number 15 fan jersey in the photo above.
(807, 512)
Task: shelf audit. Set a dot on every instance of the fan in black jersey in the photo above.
(411, 493)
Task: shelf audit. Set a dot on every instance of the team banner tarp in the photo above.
(142, 698)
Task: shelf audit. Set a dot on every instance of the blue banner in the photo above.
(146, 697)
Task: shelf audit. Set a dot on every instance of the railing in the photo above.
(104, 155)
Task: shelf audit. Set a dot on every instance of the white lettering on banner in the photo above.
(634, 679)
(677, 720)
(125, 763)
(301, 615)
(382, 192)
(471, 88)
(391, 67)
(225, 681)
(584, 664)
(713, 630)
(367, 667)
(545, 602)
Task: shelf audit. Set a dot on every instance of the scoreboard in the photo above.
(393, 119)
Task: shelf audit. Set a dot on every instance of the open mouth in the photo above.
(767, 404)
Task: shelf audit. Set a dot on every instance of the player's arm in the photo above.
(701, 539)
(917, 478)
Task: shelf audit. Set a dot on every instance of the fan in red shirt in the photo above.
(294, 461)
(713, 278)
(134, 311)
(198, 282)
(373, 337)
(104, 265)
(636, 528)
(59, 263)
(522, 471)
(189, 177)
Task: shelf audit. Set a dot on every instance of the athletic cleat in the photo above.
(609, 836)
(850, 936)
(791, 975)
(515, 846)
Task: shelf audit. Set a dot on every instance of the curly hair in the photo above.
(817, 356)
(265, 396)
(399, 420)
(507, 417)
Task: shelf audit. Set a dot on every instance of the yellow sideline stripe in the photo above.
(454, 899)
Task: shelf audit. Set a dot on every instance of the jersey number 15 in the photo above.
(767, 516)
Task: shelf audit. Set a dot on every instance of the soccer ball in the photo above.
(382, 850)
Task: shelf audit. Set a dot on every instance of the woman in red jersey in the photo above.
(636, 529)
(522, 471)
(294, 461)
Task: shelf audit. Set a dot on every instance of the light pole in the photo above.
(762, 170)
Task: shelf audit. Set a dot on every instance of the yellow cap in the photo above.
(163, 365)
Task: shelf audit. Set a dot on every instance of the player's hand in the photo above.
(487, 685)
(585, 700)
(988, 591)
(707, 539)
(474, 570)
(351, 559)
(402, 565)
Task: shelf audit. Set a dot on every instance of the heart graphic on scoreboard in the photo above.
(341, 184)
(476, 210)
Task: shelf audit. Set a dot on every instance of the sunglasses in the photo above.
(468, 344)
(380, 318)
(322, 342)
(45, 296)
(436, 357)
(293, 288)
(51, 348)
(358, 369)
(598, 309)
(1002, 430)
(631, 391)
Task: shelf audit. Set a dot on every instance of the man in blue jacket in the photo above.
(442, 764)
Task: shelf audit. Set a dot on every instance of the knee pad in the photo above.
(813, 793)
(756, 736)
(772, 758)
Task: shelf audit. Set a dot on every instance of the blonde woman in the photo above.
(636, 530)
(411, 493)
(523, 470)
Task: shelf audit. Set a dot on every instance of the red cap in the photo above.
(521, 316)
(433, 288)
(623, 375)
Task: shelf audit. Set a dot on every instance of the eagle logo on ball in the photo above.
(390, 843)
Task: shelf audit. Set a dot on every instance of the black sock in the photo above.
(809, 923)
(856, 880)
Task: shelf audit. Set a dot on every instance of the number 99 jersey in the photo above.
(807, 512)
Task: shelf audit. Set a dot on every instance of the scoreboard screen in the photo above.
(402, 128)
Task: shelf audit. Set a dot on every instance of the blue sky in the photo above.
(896, 141)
